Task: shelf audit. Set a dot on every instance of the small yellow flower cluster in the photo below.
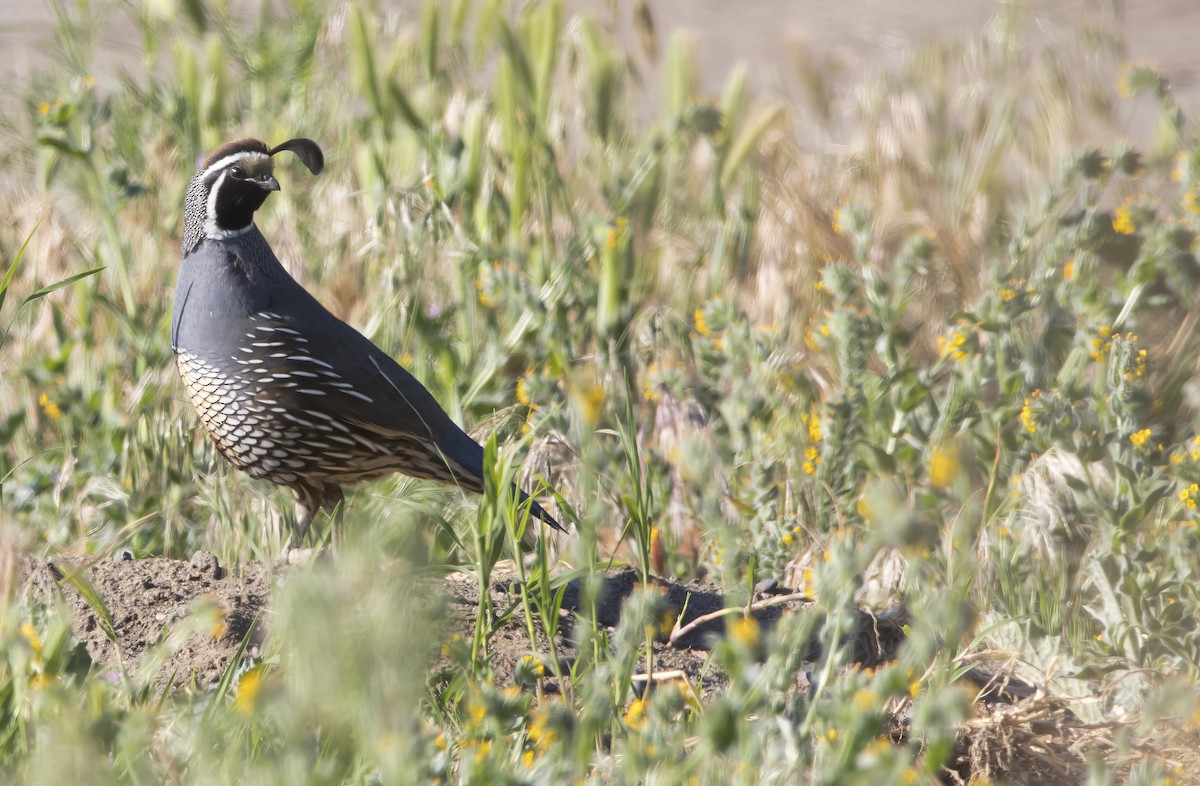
(1179, 167)
(479, 749)
(837, 222)
(245, 696)
(1068, 271)
(1028, 417)
(1139, 366)
(40, 678)
(812, 455)
(541, 733)
(1122, 221)
(635, 716)
(30, 634)
(658, 373)
(1195, 450)
(486, 283)
(864, 700)
(476, 711)
(953, 346)
(1102, 345)
(1013, 288)
(744, 630)
(590, 401)
(816, 323)
(49, 407)
(1140, 438)
(615, 233)
(1188, 495)
(534, 664)
(943, 466)
(1191, 200)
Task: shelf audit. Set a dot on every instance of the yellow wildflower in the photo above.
(245, 697)
(864, 699)
(1069, 270)
(1140, 438)
(43, 109)
(49, 407)
(476, 711)
(482, 749)
(1191, 200)
(953, 346)
(31, 636)
(610, 242)
(701, 326)
(635, 716)
(1122, 222)
(1028, 418)
(744, 630)
(814, 427)
(523, 393)
(943, 466)
(837, 221)
(590, 400)
(38, 681)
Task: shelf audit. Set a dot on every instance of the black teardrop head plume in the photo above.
(306, 150)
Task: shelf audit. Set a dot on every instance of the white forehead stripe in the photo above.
(244, 155)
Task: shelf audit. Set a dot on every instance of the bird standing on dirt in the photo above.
(287, 391)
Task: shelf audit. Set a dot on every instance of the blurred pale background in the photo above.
(769, 34)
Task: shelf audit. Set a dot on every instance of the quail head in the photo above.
(287, 391)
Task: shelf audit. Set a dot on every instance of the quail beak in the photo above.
(269, 182)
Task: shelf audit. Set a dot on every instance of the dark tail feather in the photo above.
(469, 455)
(537, 511)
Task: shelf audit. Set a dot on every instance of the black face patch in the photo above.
(237, 185)
(237, 199)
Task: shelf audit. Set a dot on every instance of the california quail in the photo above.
(287, 391)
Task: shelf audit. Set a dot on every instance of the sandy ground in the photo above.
(764, 33)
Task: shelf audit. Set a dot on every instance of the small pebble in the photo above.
(766, 586)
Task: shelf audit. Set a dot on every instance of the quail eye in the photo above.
(237, 172)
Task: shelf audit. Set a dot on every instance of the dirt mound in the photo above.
(121, 607)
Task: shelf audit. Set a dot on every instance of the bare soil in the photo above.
(121, 608)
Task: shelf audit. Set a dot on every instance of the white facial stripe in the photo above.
(210, 211)
(245, 155)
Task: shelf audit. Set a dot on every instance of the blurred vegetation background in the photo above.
(927, 338)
